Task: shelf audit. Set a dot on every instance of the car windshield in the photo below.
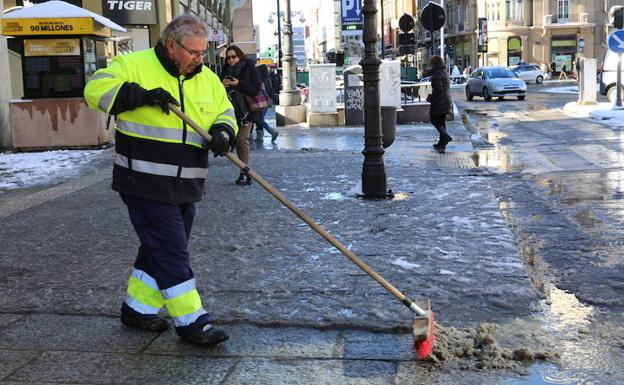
(497, 73)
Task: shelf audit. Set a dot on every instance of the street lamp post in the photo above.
(373, 170)
(279, 36)
(289, 95)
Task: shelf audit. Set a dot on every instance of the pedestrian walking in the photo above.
(456, 74)
(563, 75)
(259, 118)
(241, 79)
(161, 166)
(440, 100)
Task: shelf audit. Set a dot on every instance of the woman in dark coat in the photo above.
(241, 78)
(440, 100)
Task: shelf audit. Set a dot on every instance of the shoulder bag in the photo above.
(258, 102)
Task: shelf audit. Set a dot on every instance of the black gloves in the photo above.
(161, 98)
(220, 143)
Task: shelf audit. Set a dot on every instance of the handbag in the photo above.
(258, 102)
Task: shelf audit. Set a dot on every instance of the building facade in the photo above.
(299, 51)
(500, 32)
(322, 30)
(536, 31)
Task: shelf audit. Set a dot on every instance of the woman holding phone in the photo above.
(240, 77)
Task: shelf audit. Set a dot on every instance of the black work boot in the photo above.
(201, 332)
(149, 322)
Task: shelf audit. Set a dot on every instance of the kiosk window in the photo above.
(49, 77)
(53, 68)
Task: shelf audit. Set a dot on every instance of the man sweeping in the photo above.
(161, 166)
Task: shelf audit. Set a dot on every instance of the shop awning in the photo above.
(56, 18)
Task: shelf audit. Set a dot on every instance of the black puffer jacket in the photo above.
(249, 84)
(440, 97)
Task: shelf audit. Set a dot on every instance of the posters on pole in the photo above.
(482, 35)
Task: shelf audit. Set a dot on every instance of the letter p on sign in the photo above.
(347, 5)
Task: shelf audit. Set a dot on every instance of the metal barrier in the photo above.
(412, 90)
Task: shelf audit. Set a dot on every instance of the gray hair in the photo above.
(184, 26)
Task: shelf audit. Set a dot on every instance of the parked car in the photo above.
(608, 76)
(529, 73)
(495, 82)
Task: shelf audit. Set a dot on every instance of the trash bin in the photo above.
(388, 125)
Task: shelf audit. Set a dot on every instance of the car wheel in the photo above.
(486, 94)
(521, 97)
(539, 79)
(469, 94)
(611, 94)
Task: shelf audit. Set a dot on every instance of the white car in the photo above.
(530, 73)
(496, 82)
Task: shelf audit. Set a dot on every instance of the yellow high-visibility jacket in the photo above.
(158, 156)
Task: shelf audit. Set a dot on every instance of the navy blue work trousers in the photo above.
(164, 231)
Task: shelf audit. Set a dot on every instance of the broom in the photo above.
(423, 325)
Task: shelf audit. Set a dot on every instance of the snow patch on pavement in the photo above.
(405, 264)
(27, 169)
(600, 112)
(561, 90)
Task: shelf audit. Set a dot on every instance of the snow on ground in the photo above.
(27, 169)
(611, 117)
(600, 112)
(561, 90)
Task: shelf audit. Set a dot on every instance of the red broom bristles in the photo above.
(424, 347)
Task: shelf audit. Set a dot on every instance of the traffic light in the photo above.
(617, 16)
(450, 49)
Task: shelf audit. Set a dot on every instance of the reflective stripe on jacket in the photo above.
(159, 157)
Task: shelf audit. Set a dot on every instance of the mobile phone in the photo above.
(228, 77)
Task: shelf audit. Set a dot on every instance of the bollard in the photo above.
(388, 125)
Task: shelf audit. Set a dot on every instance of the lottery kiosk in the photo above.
(61, 46)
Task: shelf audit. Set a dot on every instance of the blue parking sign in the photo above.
(351, 11)
(616, 41)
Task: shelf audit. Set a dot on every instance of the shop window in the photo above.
(514, 50)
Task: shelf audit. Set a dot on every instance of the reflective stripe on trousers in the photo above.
(144, 295)
(161, 169)
(182, 301)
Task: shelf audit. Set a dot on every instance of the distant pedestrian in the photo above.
(440, 100)
(161, 166)
(259, 118)
(563, 75)
(456, 74)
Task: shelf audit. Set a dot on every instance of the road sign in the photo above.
(406, 22)
(407, 38)
(616, 41)
(432, 17)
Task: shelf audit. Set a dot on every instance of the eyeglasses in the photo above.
(231, 57)
(191, 52)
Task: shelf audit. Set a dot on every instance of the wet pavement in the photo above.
(488, 238)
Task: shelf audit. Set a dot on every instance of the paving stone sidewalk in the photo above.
(298, 312)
